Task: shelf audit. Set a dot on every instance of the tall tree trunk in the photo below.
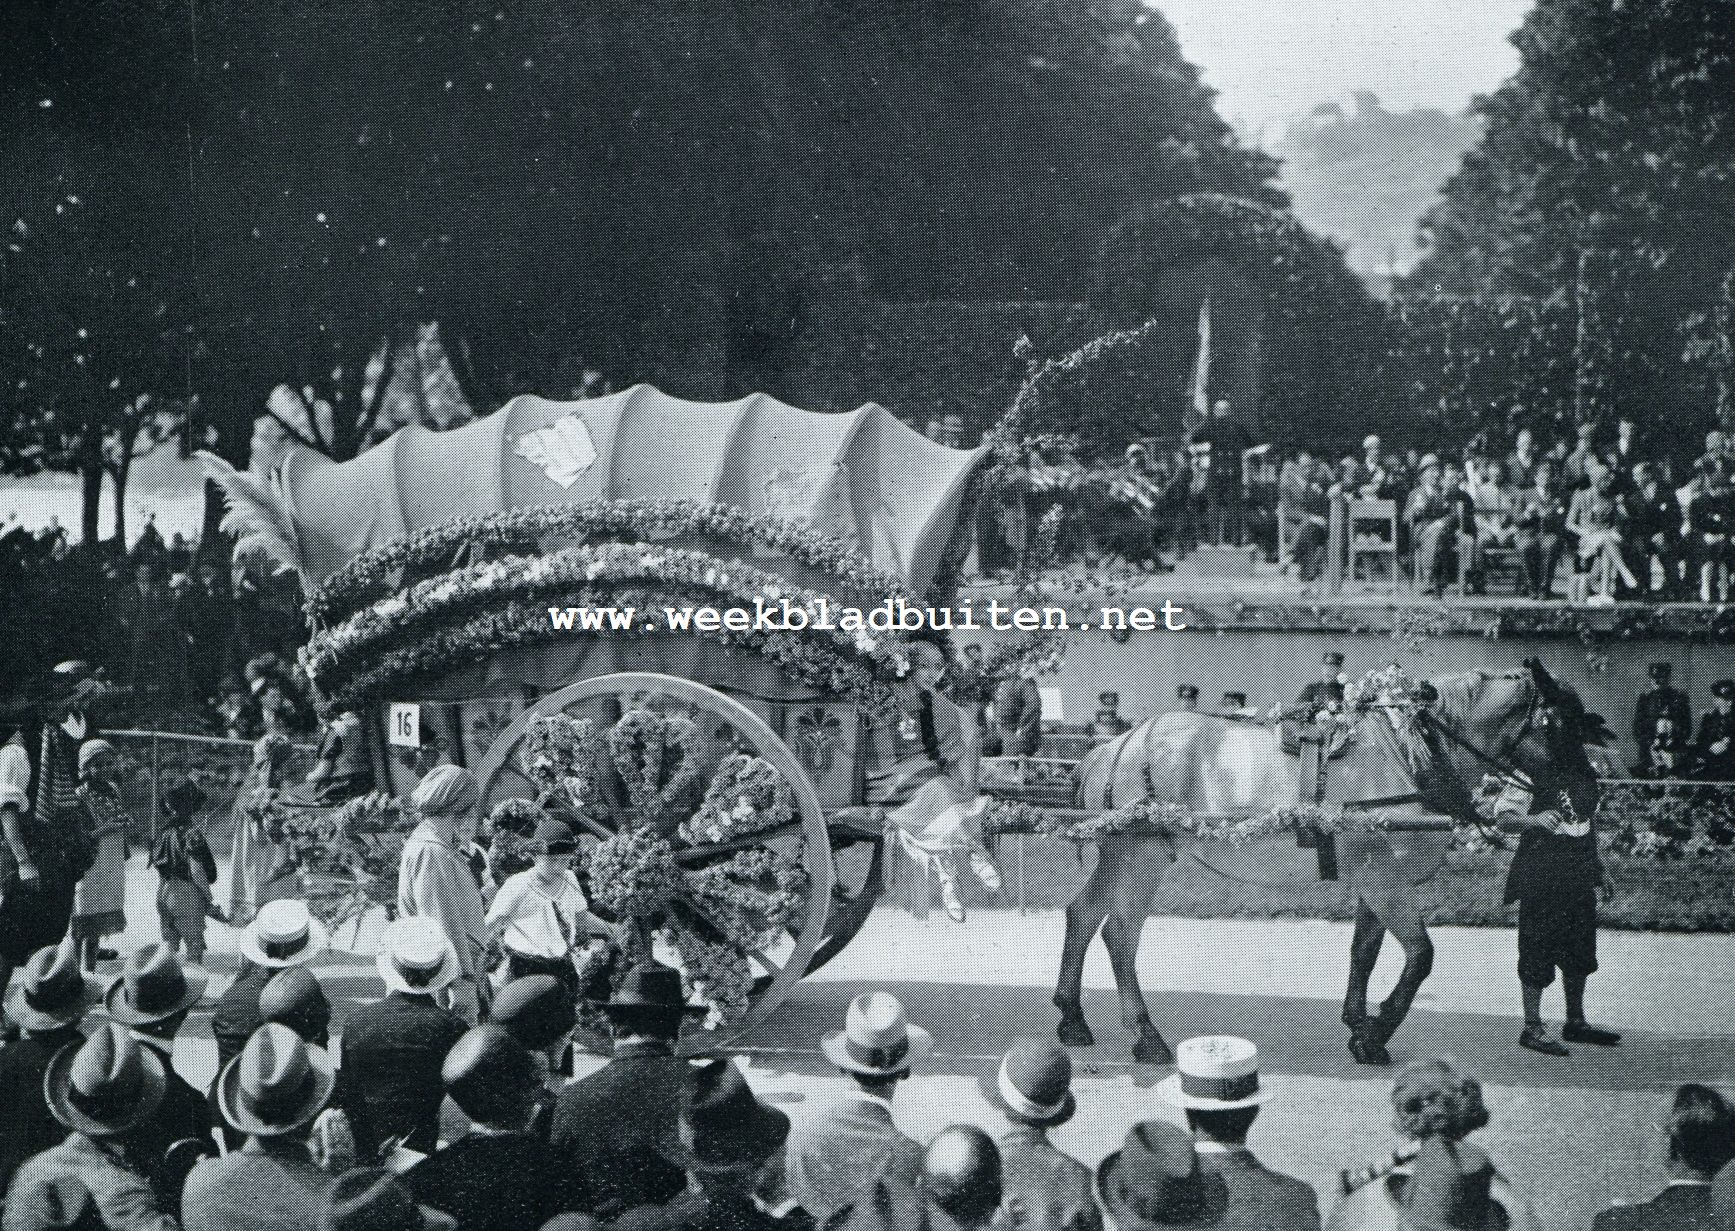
(90, 502)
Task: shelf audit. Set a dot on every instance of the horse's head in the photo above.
(1551, 746)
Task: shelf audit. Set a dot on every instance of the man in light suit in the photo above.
(835, 1157)
(1701, 1136)
(1216, 1085)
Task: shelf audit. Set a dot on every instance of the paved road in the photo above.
(1577, 1133)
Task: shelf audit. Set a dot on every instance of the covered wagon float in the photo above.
(714, 772)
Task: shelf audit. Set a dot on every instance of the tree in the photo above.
(1606, 174)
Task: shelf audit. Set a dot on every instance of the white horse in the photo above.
(1514, 723)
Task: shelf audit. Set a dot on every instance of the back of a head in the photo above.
(1701, 1129)
(1228, 1126)
(961, 1174)
(1431, 1098)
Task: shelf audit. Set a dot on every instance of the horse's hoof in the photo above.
(1367, 1049)
(1074, 1031)
(1150, 1049)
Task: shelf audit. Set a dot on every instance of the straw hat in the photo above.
(283, 933)
(1215, 1072)
(877, 1039)
(416, 957)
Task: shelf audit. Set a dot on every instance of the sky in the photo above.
(1273, 60)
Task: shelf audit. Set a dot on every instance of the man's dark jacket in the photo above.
(392, 1053)
(499, 1182)
(620, 1127)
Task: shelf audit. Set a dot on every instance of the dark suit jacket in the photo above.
(1259, 1198)
(183, 1116)
(236, 1016)
(619, 1126)
(1652, 707)
(1679, 1207)
(834, 1157)
(1714, 728)
(1043, 1189)
(693, 1211)
(392, 1052)
(26, 1128)
(499, 1182)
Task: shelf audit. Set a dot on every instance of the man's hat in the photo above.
(1235, 699)
(152, 986)
(1033, 1084)
(534, 1009)
(1154, 1180)
(1331, 658)
(415, 956)
(1660, 670)
(294, 998)
(1109, 699)
(555, 837)
(1450, 1189)
(1215, 1072)
(488, 1070)
(107, 1085)
(650, 988)
(1187, 692)
(1724, 689)
(284, 933)
(877, 1039)
(723, 1125)
(277, 1084)
(182, 798)
(50, 992)
(372, 1199)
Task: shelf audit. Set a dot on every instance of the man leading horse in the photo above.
(1524, 727)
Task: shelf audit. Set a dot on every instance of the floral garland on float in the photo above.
(371, 574)
(681, 867)
(488, 607)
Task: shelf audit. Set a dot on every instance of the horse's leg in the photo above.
(1136, 873)
(1407, 925)
(1083, 917)
(1364, 955)
(1387, 894)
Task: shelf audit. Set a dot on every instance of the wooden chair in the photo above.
(1371, 533)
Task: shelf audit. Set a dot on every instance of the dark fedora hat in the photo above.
(1660, 670)
(723, 1124)
(650, 988)
(276, 1085)
(183, 797)
(1154, 1180)
(372, 1199)
(486, 1071)
(50, 992)
(537, 1010)
(1033, 1084)
(107, 1085)
(153, 985)
(1450, 1188)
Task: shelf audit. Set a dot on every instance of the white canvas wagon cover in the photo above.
(860, 475)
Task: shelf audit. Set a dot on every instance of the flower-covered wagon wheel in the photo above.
(703, 842)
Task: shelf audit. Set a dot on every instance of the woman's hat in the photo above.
(555, 837)
(1033, 1084)
(1450, 1189)
(877, 1039)
(152, 986)
(183, 798)
(372, 1199)
(276, 1085)
(723, 1124)
(91, 749)
(536, 1010)
(447, 790)
(284, 933)
(415, 956)
(1154, 1180)
(104, 1086)
(50, 992)
(1215, 1072)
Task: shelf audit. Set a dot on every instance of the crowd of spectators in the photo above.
(1628, 520)
(165, 621)
(420, 1123)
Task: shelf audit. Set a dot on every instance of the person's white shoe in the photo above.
(985, 871)
(949, 895)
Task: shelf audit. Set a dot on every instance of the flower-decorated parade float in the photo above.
(560, 597)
